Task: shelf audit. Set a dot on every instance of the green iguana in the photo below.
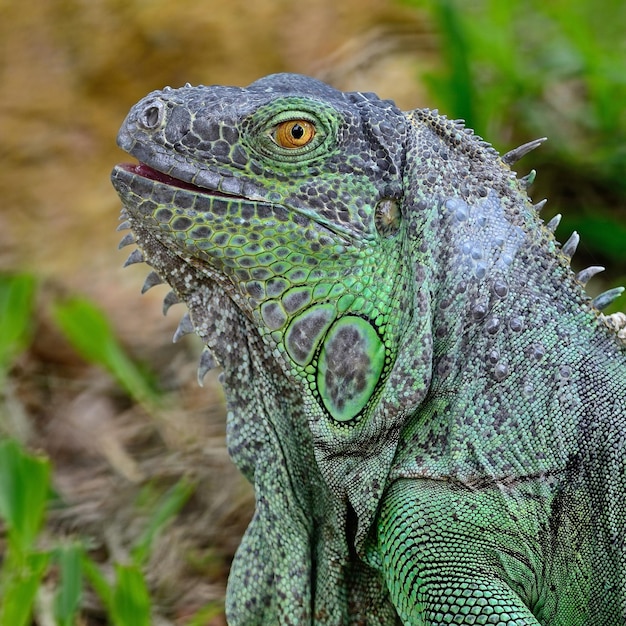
(431, 412)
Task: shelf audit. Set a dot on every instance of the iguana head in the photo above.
(288, 195)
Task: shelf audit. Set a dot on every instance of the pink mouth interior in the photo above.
(141, 169)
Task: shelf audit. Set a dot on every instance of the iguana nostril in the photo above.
(151, 117)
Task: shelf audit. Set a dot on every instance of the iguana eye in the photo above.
(294, 134)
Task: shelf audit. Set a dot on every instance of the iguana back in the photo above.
(430, 409)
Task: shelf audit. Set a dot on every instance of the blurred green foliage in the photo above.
(90, 333)
(527, 67)
(24, 497)
(25, 481)
(17, 299)
(24, 490)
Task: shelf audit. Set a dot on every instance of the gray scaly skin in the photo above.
(420, 390)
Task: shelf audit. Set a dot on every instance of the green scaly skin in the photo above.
(419, 388)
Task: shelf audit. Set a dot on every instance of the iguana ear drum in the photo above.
(387, 218)
(350, 364)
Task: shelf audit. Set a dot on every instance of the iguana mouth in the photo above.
(145, 171)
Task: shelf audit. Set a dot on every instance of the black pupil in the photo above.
(297, 131)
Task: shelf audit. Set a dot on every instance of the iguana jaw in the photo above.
(222, 189)
(145, 171)
(197, 225)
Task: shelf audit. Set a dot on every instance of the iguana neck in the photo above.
(505, 307)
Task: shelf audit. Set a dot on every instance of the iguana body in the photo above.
(418, 386)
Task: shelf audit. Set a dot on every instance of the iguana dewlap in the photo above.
(432, 415)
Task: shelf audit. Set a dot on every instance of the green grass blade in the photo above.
(90, 333)
(131, 600)
(168, 507)
(17, 296)
(18, 591)
(69, 593)
(24, 493)
(98, 581)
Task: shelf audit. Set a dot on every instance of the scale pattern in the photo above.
(431, 409)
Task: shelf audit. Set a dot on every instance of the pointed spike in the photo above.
(553, 224)
(606, 297)
(512, 156)
(170, 299)
(207, 363)
(569, 247)
(529, 179)
(136, 256)
(584, 276)
(152, 279)
(125, 225)
(127, 240)
(539, 206)
(185, 327)
(188, 85)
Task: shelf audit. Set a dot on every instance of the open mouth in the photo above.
(145, 171)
